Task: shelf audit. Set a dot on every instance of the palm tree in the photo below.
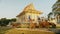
(57, 15)
(49, 15)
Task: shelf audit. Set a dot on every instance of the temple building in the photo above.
(29, 13)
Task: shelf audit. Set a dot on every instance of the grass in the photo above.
(3, 29)
(8, 30)
(19, 31)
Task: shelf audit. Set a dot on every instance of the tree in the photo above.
(13, 19)
(50, 14)
(3, 22)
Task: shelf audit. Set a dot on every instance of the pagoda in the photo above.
(28, 13)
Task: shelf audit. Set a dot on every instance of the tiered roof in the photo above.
(29, 9)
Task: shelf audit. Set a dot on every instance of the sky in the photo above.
(11, 8)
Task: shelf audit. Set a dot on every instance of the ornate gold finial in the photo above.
(29, 7)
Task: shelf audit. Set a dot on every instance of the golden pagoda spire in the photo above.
(29, 7)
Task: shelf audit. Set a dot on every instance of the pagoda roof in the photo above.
(29, 9)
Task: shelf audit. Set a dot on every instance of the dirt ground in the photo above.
(28, 31)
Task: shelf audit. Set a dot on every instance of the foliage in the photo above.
(50, 14)
(13, 19)
(57, 13)
(5, 21)
(3, 29)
